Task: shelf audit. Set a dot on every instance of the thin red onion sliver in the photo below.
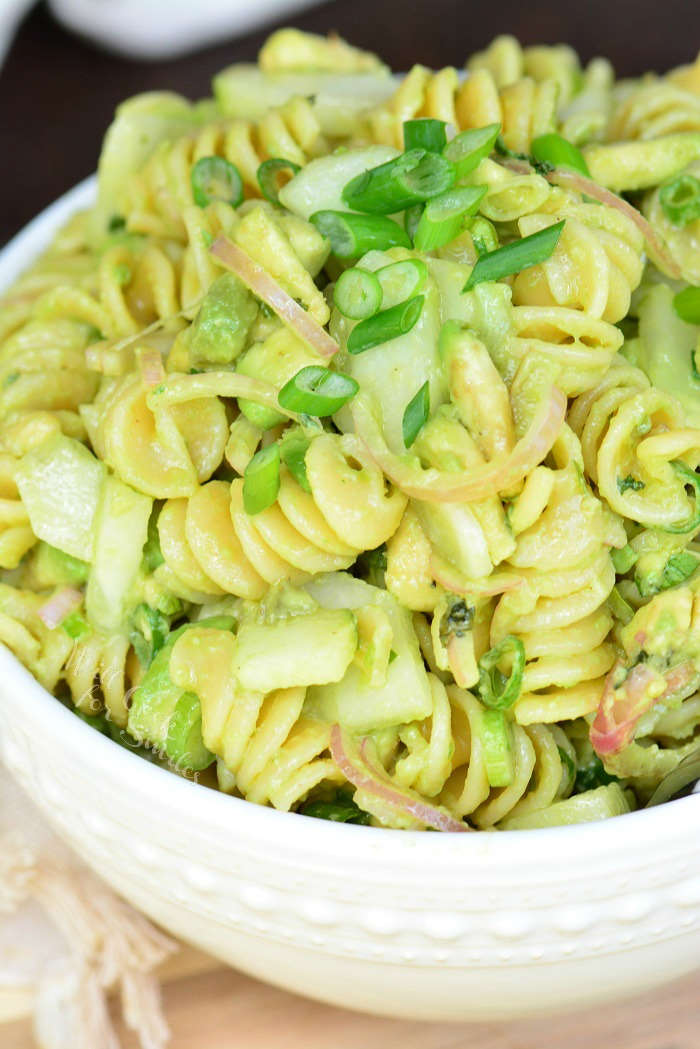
(151, 367)
(452, 580)
(656, 246)
(608, 734)
(582, 184)
(54, 611)
(436, 486)
(269, 291)
(360, 773)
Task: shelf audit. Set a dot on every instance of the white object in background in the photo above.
(165, 28)
(11, 12)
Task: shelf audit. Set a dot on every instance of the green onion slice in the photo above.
(443, 217)
(411, 218)
(357, 294)
(268, 176)
(76, 626)
(469, 148)
(687, 305)
(497, 691)
(214, 178)
(425, 134)
(416, 415)
(317, 391)
(624, 559)
(512, 258)
(261, 480)
(400, 183)
(294, 445)
(559, 152)
(680, 199)
(496, 748)
(353, 235)
(384, 326)
(401, 280)
(619, 607)
(692, 523)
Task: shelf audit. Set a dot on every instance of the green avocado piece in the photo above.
(221, 327)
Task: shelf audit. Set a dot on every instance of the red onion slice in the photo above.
(573, 180)
(451, 579)
(358, 770)
(151, 367)
(269, 291)
(61, 604)
(434, 486)
(620, 709)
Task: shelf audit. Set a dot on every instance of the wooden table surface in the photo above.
(57, 95)
(210, 1007)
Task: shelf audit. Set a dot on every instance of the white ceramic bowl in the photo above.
(431, 926)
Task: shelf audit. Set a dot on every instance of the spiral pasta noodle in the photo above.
(373, 496)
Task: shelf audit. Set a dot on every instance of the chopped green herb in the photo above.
(371, 566)
(9, 379)
(457, 620)
(625, 484)
(691, 479)
(148, 632)
(678, 568)
(342, 809)
(152, 555)
(116, 224)
(76, 626)
(592, 775)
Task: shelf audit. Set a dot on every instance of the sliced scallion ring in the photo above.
(317, 391)
(497, 748)
(352, 235)
(469, 148)
(425, 133)
(443, 217)
(497, 691)
(416, 415)
(680, 199)
(401, 280)
(512, 258)
(215, 179)
(692, 523)
(386, 325)
(268, 176)
(557, 151)
(687, 305)
(294, 445)
(400, 183)
(357, 294)
(261, 480)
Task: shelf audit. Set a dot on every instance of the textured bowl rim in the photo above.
(569, 844)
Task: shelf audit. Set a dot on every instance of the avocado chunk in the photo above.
(225, 317)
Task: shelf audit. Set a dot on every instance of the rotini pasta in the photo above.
(349, 454)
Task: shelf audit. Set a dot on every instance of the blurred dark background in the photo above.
(57, 93)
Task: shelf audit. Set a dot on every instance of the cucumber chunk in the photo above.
(353, 702)
(310, 649)
(60, 482)
(121, 529)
